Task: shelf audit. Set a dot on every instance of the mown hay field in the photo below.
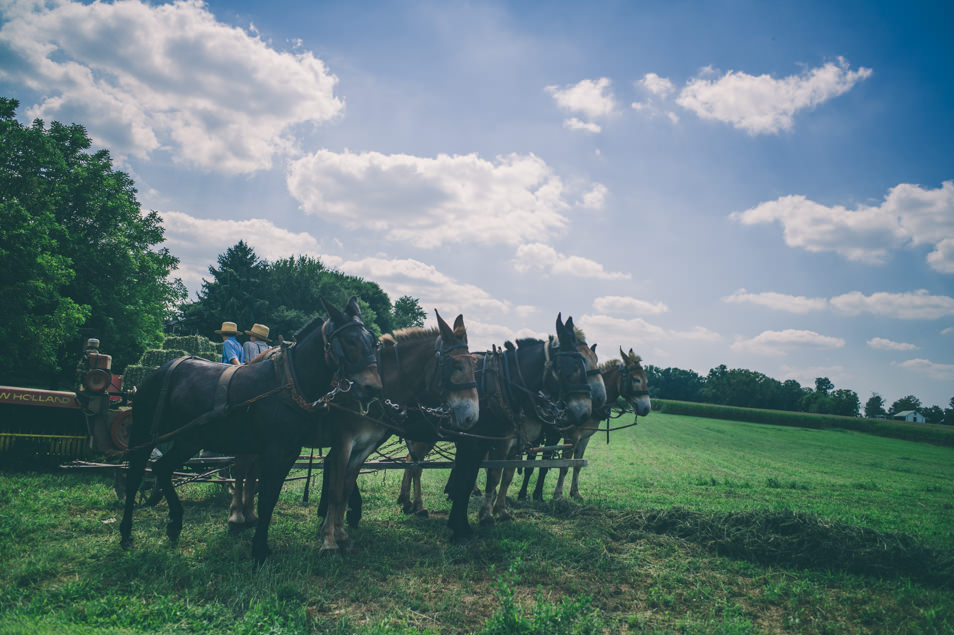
(689, 524)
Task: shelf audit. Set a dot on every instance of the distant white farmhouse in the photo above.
(909, 415)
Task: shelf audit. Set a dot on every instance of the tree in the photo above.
(908, 402)
(949, 413)
(408, 312)
(76, 251)
(934, 414)
(823, 385)
(874, 407)
(844, 402)
(232, 294)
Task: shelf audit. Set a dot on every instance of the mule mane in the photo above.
(610, 364)
(414, 333)
(310, 326)
(528, 341)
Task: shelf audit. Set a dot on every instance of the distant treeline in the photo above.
(751, 389)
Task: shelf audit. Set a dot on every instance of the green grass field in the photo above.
(689, 525)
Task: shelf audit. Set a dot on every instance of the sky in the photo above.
(762, 185)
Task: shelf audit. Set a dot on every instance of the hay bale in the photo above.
(191, 344)
(157, 356)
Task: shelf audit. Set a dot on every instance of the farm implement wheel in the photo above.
(119, 430)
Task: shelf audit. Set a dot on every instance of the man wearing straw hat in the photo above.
(232, 352)
(258, 341)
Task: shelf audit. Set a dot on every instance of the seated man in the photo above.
(232, 352)
(258, 341)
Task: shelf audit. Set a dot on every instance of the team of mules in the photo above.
(337, 387)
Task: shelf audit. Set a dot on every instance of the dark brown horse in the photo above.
(625, 380)
(532, 379)
(430, 376)
(270, 408)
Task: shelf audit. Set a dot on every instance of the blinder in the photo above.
(626, 383)
(444, 368)
(567, 363)
(334, 350)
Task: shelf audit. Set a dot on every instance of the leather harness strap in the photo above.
(222, 388)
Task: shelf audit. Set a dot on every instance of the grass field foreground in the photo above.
(689, 524)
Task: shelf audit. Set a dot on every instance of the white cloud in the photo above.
(596, 197)
(777, 342)
(916, 305)
(909, 216)
(592, 99)
(577, 124)
(143, 78)
(762, 104)
(431, 201)
(481, 335)
(806, 376)
(778, 301)
(658, 86)
(198, 241)
(628, 306)
(948, 331)
(525, 310)
(883, 344)
(612, 332)
(537, 256)
(673, 117)
(929, 368)
(433, 288)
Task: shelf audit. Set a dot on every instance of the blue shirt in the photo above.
(232, 349)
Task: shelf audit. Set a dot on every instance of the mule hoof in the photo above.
(235, 528)
(522, 496)
(462, 540)
(126, 542)
(422, 513)
(173, 529)
(557, 497)
(329, 552)
(353, 518)
(538, 497)
(407, 508)
(260, 555)
(576, 497)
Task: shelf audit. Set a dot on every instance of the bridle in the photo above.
(445, 367)
(626, 383)
(567, 363)
(334, 351)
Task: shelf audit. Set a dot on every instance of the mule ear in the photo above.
(568, 336)
(459, 329)
(353, 308)
(447, 334)
(336, 316)
(622, 354)
(559, 323)
(593, 348)
(632, 353)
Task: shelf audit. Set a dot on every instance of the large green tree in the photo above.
(284, 295)
(874, 407)
(78, 256)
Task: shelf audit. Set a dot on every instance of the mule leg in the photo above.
(162, 470)
(567, 453)
(275, 464)
(137, 467)
(237, 507)
(575, 482)
(467, 464)
(354, 507)
(404, 496)
(336, 468)
(485, 515)
(527, 471)
(248, 495)
(500, 505)
(325, 480)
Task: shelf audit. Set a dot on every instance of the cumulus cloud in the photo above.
(596, 197)
(198, 241)
(928, 368)
(578, 124)
(763, 104)
(613, 331)
(659, 86)
(616, 304)
(883, 344)
(143, 78)
(433, 288)
(778, 342)
(431, 201)
(909, 216)
(537, 256)
(589, 98)
(916, 305)
(778, 301)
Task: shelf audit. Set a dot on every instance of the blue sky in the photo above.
(764, 185)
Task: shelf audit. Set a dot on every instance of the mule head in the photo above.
(593, 375)
(352, 351)
(455, 373)
(634, 386)
(570, 374)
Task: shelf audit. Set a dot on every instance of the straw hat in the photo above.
(228, 328)
(260, 331)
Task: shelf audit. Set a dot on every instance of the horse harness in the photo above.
(284, 369)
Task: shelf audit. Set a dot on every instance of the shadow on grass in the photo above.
(783, 538)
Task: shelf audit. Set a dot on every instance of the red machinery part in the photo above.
(97, 380)
(119, 430)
